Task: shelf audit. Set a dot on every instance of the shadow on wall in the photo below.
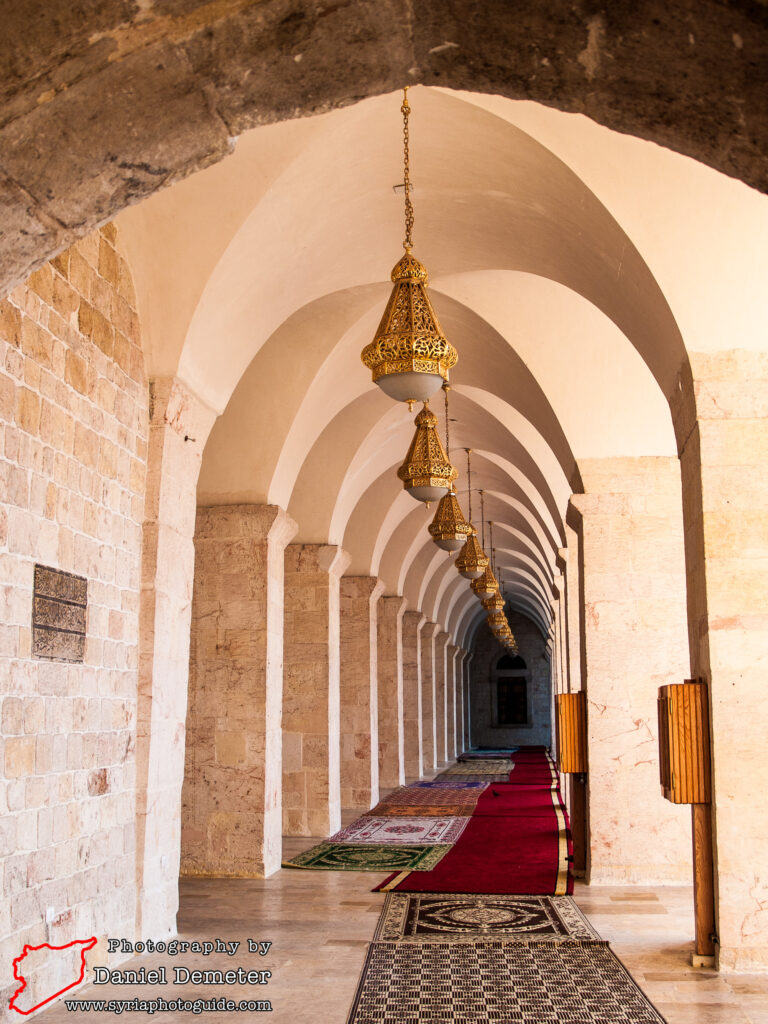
(510, 696)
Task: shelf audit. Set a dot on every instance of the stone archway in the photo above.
(137, 99)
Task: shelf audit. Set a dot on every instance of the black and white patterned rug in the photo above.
(494, 982)
(428, 916)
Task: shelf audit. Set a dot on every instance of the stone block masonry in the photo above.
(73, 451)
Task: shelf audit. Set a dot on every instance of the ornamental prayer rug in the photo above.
(491, 766)
(427, 830)
(484, 778)
(447, 784)
(346, 857)
(430, 916)
(472, 755)
(494, 982)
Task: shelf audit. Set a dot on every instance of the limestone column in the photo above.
(634, 640)
(429, 632)
(441, 699)
(179, 426)
(232, 800)
(359, 691)
(311, 694)
(390, 664)
(570, 557)
(460, 700)
(725, 492)
(468, 701)
(412, 711)
(452, 682)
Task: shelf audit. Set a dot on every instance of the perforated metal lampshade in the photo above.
(426, 473)
(449, 529)
(409, 357)
(494, 603)
(486, 585)
(472, 561)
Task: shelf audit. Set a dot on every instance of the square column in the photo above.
(311, 690)
(412, 711)
(428, 733)
(232, 799)
(725, 506)
(359, 691)
(453, 667)
(390, 662)
(467, 701)
(165, 610)
(441, 695)
(634, 641)
(461, 698)
(570, 569)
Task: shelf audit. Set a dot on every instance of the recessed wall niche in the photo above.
(58, 615)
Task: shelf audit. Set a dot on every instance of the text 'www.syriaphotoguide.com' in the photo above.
(160, 1005)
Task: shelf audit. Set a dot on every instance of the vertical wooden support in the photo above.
(579, 822)
(703, 880)
(686, 778)
(571, 727)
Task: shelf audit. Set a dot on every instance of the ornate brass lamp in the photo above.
(409, 357)
(494, 603)
(426, 473)
(471, 561)
(449, 529)
(496, 622)
(486, 584)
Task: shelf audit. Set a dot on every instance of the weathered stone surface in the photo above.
(359, 597)
(634, 640)
(139, 96)
(232, 769)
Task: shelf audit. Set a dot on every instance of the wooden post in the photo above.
(579, 822)
(686, 778)
(703, 884)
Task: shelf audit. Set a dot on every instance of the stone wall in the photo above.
(73, 448)
(232, 807)
(634, 641)
(482, 692)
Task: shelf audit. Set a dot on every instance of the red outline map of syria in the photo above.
(86, 944)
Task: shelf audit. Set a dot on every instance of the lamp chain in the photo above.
(406, 110)
(493, 550)
(482, 517)
(446, 389)
(469, 483)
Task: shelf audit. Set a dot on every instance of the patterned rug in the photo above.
(424, 830)
(439, 783)
(346, 857)
(481, 766)
(485, 778)
(429, 917)
(417, 802)
(493, 982)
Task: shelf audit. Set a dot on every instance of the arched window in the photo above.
(510, 693)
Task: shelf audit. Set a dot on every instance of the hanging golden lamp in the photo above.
(496, 621)
(426, 473)
(449, 529)
(409, 357)
(486, 584)
(471, 561)
(494, 603)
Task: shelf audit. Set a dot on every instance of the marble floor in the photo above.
(320, 922)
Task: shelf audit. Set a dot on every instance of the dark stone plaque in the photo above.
(58, 615)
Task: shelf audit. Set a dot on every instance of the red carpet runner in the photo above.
(516, 843)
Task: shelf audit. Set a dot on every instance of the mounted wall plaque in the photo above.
(58, 615)
(572, 731)
(684, 757)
